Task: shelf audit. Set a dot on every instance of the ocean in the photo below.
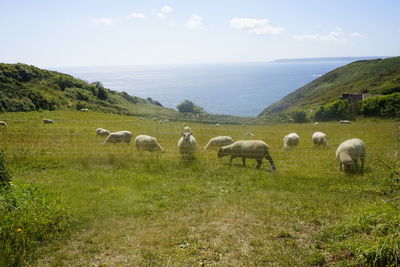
(242, 89)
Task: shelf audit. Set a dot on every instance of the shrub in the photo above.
(371, 237)
(5, 176)
(387, 106)
(336, 110)
(299, 116)
(186, 106)
(30, 217)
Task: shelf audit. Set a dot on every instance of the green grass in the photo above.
(146, 208)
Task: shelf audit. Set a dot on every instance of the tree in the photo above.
(299, 116)
(101, 91)
(186, 106)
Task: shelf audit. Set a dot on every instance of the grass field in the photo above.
(140, 208)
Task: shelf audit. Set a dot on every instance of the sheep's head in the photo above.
(222, 152)
(186, 136)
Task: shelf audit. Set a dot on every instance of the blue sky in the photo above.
(59, 33)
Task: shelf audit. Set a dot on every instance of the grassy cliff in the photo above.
(379, 76)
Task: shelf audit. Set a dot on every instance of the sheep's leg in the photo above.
(259, 162)
(268, 157)
(244, 161)
(230, 160)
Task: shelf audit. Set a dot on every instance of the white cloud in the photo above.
(255, 26)
(195, 22)
(164, 11)
(336, 36)
(137, 16)
(104, 21)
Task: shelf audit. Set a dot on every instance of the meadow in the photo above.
(141, 208)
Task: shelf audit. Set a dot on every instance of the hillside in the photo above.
(379, 76)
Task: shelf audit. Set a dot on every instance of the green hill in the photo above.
(28, 88)
(379, 76)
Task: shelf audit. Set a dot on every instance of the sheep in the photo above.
(218, 142)
(349, 153)
(3, 124)
(316, 123)
(102, 132)
(187, 129)
(252, 149)
(187, 145)
(84, 109)
(250, 134)
(119, 137)
(344, 122)
(146, 142)
(47, 121)
(320, 139)
(290, 141)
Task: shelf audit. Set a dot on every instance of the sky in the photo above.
(68, 33)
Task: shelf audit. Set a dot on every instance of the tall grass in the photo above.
(140, 208)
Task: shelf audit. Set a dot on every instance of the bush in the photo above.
(299, 117)
(5, 176)
(387, 106)
(30, 217)
(337, 110)
(371, 237)
(186, 106)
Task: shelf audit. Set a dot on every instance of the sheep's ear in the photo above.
(182, 134)
(190, 133)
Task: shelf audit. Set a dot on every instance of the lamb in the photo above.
(320, 139)
(146, 142)
(119, 137)
(187, 145)
(349, 153)
(290, 141)
(218, 142)
(47, 121)
(102, 132)
(344, 122)
(252, 149)
(3, 124)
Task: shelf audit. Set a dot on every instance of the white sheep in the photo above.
(47, 121)
(252, 149)
(344, 122)
(187, 145)
(316, 123)
(349, 153)
(250, 134)
(187, 129)
(291, 140)
(84, 109)
(102, 132)
(218, 142)
(146, 142)
(3, 124)
(320, 139)
(119, 137)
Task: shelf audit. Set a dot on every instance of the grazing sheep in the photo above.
(349, 153)
(290, 141)
(102, 132)
(316, 123)
(252, 149)
(84, 109)
(3, 124)
(217, 124)
(154, 119)
(141, 118)
(344, 122)
(250, 134)
(47, 121)
(146, 142)
(187, 129)
(320, 139)
(187, 145)
(119, 137)
(218, 142)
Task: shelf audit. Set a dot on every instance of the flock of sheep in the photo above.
(350, 154)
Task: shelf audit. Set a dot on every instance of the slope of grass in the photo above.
(138, 208)
(378, 76)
